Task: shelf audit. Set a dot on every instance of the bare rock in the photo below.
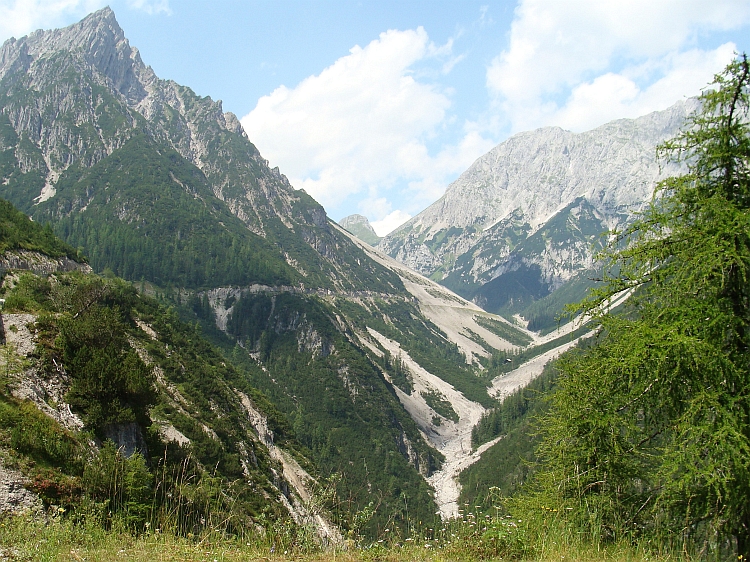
(14, 496)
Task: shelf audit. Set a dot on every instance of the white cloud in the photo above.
(612, 96)
(151, 7)
(583, 62)
(390, 222)
(364, 123)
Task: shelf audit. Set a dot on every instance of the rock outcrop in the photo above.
(541, 198)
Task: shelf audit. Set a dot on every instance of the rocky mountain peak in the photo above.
(521, 205)
(98, 39)
(361, 228)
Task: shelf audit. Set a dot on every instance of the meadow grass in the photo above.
(27, 538)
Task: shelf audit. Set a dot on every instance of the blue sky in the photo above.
(374, 107)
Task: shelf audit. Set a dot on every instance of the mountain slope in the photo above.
(81, 353)
(530, 212)
(75, 97)
(361, 228)
(164, 189)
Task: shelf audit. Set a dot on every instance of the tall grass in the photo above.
(472, 537)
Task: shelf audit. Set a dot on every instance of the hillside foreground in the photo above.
(24, 538)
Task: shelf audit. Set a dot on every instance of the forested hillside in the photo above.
(648, 434)
(113, 409)
(159, 186)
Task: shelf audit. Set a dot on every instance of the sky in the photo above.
(375, 107)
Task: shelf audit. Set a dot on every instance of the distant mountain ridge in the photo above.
(535, 206)
(361, 228)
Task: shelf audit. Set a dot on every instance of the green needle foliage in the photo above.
(648, 436)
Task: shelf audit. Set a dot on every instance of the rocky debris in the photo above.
(454, 315)
(46, 391)
(14, 497)
(147, 329)
(17, 333)
(168, 432)
(39, 264)
(301, 503)
(450, 438)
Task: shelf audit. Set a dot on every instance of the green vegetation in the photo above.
(505, 361)
(648, 436)
(503, 330)
(644, 440)
(340, 407)
(522, 290)
(514, 409)
(471, 539)
(549, 313)
(159, 221)
(89, 331)
(400, 375)
(440, 405)
(18, 233)
(512, 291)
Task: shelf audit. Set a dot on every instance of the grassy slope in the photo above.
(30, 540)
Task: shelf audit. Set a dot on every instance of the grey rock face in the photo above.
(14, 497)
(476, 230)
(128, 438)
(89, 75)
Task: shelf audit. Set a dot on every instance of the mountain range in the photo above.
(518, 231)
(339, 358)
(378, 373)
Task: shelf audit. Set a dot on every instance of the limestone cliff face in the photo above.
(539, 198)
(73, 96)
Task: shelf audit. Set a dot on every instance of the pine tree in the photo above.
(649, 432)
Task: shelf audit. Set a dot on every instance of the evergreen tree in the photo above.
(649, 433)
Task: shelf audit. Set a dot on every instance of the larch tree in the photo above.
(648, 435)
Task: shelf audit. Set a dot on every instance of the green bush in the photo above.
(119, 485)
(38, 436)
(109, 382)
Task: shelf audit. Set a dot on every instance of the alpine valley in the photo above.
(315, 376)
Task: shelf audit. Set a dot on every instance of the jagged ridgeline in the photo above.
(89, 360)
(517, 232)
(165, 190)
